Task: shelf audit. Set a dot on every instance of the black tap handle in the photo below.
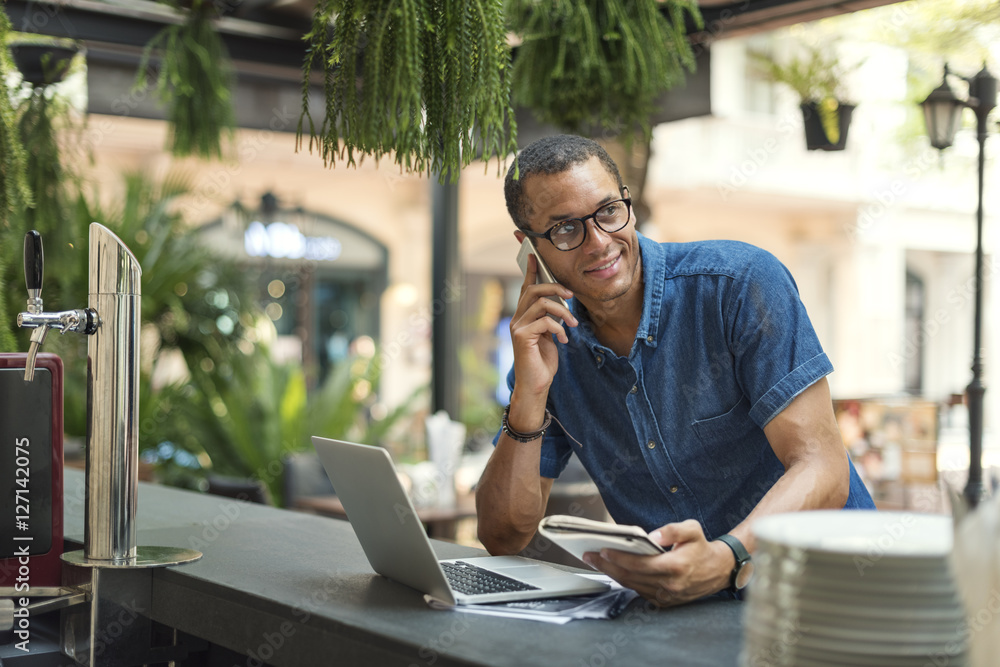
(34, 259)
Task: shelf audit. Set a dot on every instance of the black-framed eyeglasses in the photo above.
(570, 234)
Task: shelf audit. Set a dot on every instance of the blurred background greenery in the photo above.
(227, 408)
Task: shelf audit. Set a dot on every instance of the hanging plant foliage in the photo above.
(49, 126)
(41, 118)
(40, 113)
(14, 192)
(46, 125)
(425, 80)
(194, 81)
(45, 121)
(585, 64)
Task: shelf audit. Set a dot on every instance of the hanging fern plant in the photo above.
(14, 192)
(194, 81)
(425, 80)
(585, 64)
(49, 126)
(40, 114)
(45, 123)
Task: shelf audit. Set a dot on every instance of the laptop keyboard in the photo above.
(473, 580)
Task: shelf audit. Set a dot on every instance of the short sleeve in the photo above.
(776, 352)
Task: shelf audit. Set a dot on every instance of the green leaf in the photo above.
(293, 400)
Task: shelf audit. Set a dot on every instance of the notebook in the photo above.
(397, 547)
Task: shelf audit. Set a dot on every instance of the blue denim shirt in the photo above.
(674, 431)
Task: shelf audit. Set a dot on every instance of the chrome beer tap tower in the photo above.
(111, 578)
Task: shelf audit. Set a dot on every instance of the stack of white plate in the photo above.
(853, 588)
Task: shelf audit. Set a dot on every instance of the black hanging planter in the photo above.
(42, 64)
(816, 135)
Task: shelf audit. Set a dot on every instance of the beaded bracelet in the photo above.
(524, 437)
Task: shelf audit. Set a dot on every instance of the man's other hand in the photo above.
(692, 569)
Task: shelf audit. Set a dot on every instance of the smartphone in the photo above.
(578, 535)
(543, 274)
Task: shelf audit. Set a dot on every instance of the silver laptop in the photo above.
(397, 547)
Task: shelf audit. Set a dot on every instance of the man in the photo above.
(686, 378)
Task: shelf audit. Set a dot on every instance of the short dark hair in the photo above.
(550, 155)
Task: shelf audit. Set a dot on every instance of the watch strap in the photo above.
(741, 554)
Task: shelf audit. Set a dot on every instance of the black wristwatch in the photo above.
(743, 572)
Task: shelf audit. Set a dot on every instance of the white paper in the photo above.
(554, 610)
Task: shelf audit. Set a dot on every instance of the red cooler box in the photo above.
(31, 472)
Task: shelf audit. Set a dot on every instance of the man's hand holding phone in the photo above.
(541, 312)
(542, 274)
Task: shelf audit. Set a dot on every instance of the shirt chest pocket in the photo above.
(730, 442)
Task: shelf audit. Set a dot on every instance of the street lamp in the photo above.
(942, 111)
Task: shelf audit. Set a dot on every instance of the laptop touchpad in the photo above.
(530, 571)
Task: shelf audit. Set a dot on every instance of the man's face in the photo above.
(606, 266)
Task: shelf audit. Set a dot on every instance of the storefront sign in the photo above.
(284, 241)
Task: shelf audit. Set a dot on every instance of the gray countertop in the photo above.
(287, 588)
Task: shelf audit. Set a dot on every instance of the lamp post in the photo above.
(942, 111)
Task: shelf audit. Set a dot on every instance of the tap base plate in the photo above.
(145, 557)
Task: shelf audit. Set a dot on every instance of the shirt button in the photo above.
(599, 358)
(634, 389)
(651, 444)
(673, 489)
(649, 339)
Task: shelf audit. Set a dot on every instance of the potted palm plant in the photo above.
(817, 77)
